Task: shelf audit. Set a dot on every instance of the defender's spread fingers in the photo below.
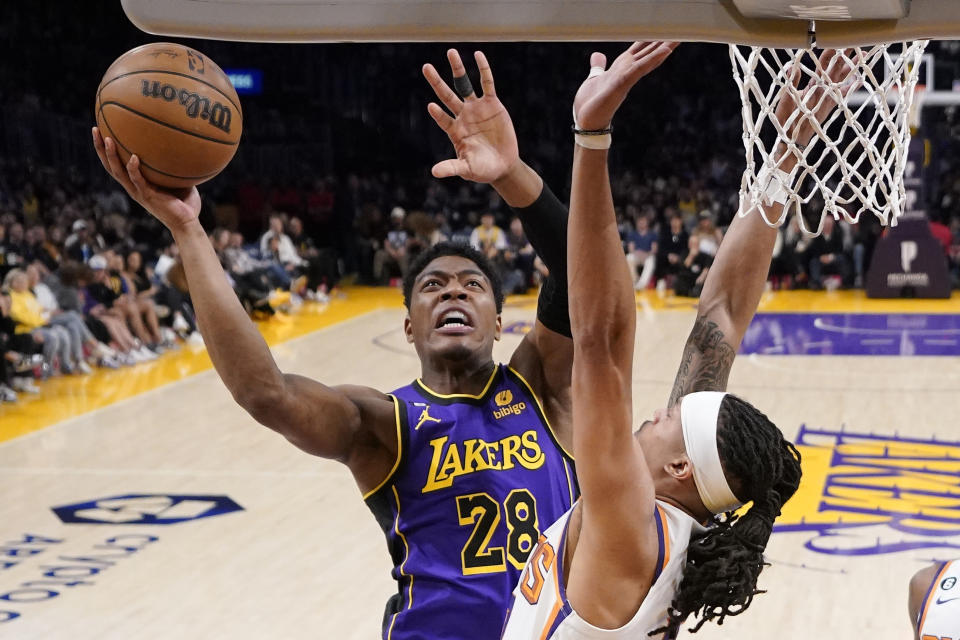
(461, 82)
(456, 64)
(441, 117)
(442, 90)
(486, 74)
(449, 168)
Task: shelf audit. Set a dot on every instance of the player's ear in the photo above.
(498, 328)
(679, 468)
(408, 329)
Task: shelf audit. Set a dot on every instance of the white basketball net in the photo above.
(856, 158)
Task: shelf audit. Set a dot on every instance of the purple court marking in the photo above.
(853, 334)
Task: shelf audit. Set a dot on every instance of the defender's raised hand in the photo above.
(174, 208)
(800, 124)
(480, 129)
(604, 90)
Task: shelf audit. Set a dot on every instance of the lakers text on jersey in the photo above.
(476, 478)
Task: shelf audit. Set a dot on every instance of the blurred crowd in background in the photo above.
(332, 185)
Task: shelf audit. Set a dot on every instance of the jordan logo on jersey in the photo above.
(425, 417)
(451, 460)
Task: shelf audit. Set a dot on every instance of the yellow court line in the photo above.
(798, 301)
(67, 397)
(852, 301)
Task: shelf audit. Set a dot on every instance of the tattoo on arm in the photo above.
(706, 363)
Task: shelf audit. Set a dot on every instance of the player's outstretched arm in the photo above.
(328, 422)
(482, 134)
(614, 553)
(738, 275)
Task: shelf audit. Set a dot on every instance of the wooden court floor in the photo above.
(145, 504)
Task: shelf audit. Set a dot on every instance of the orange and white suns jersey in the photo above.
(939, 617)
(540, 610)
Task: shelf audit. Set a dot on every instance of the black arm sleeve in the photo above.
(545, 224)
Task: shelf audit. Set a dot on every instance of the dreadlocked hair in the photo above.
(720, 575)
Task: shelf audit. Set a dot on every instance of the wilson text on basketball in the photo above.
(196, 106)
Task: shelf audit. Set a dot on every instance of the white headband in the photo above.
(698, 415)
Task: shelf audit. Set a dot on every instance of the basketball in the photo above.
(175, 109)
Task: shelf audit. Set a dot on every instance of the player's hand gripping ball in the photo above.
(175, 109)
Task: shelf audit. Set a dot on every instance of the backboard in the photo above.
(775, 23)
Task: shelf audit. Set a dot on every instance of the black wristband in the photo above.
(591, 132)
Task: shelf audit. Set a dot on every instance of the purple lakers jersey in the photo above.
(476, 480)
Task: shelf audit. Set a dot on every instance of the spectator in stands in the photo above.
(393, 256)
(183, 320)
(517, 260)
(320, 262)
(40, 249)
(169, 256)
(277, 246)
(261, 273)
(66, 284)
(827, 256)
(140, 294)
(693, 272)
(141, 319)
(26, 312)
(672, 248)
(83, 243)
(136, 272)
(707, 234)
(488, 238)
(369, 230)
(7, 355)
(80, 336)
(286, 251)
(101, 297)
(642, 249)
(250, 277)
(21, 351)
(523, 256)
